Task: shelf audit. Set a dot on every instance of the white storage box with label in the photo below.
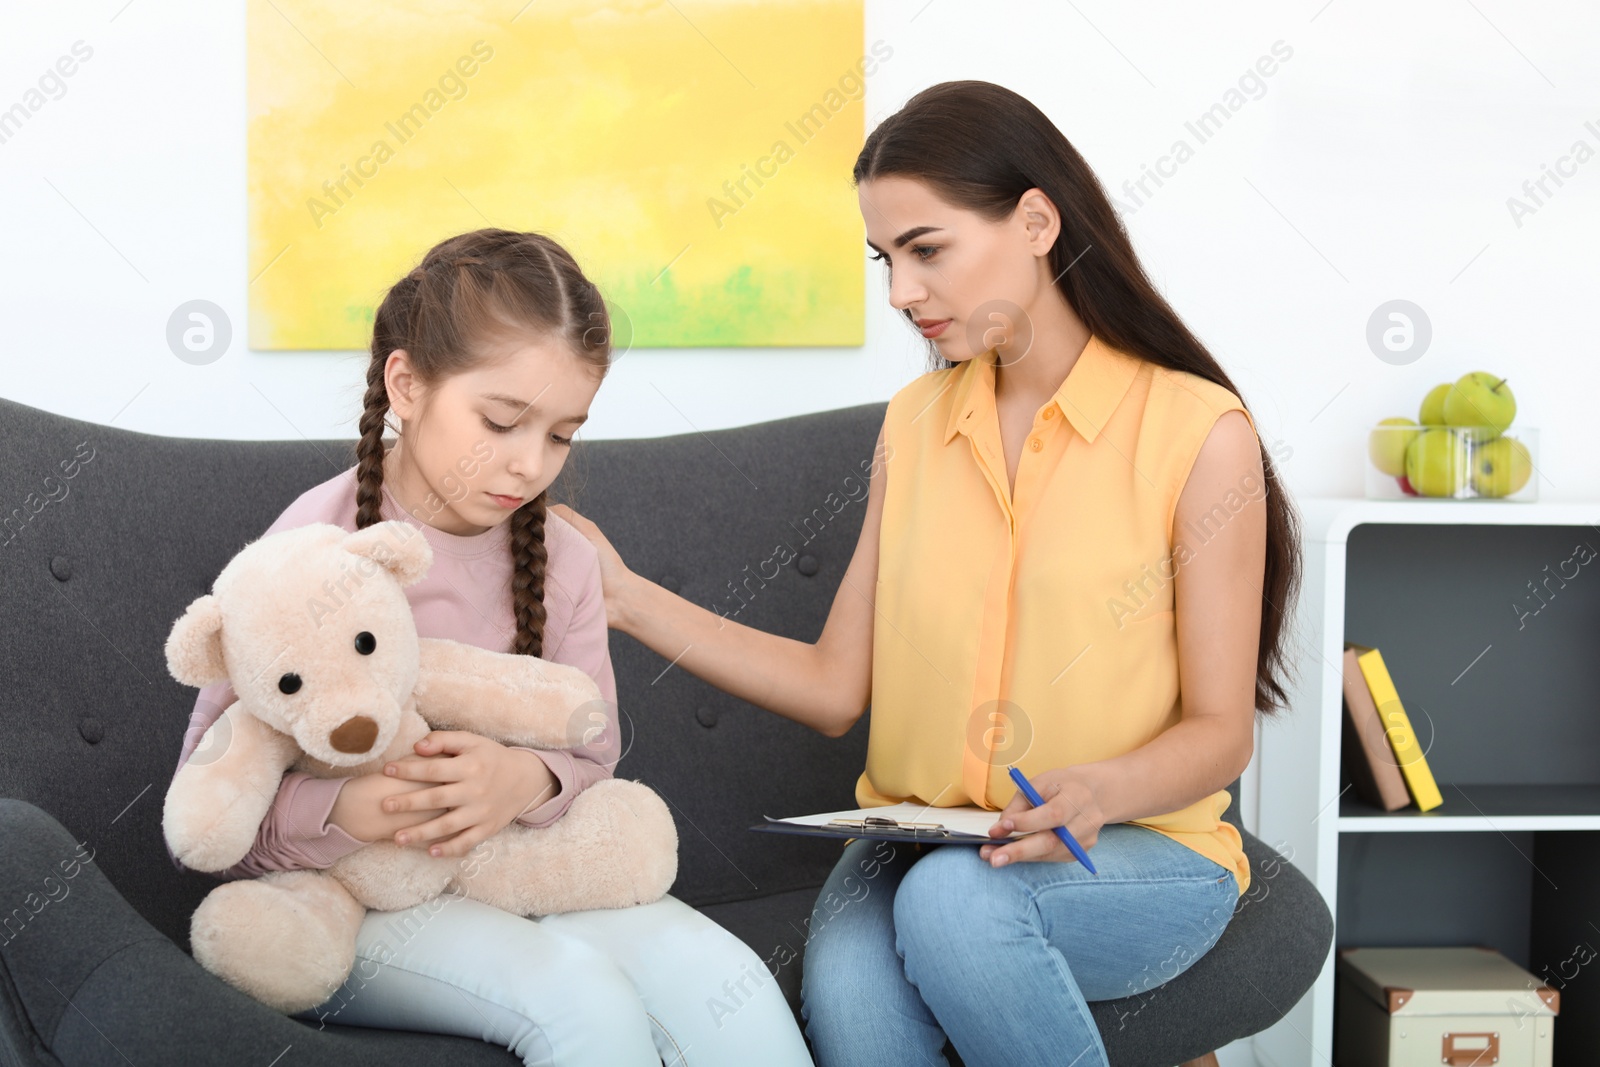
(1458, 1006)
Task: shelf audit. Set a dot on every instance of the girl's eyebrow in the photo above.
(523, 405)
(910, 235)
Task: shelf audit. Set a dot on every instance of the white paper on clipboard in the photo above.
(965, 819)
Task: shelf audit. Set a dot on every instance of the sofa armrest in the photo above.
(84, 979)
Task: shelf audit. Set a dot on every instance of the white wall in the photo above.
(1376, 164)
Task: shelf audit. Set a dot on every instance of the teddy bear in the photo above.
(339, 685)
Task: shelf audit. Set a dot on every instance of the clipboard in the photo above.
(908, 821)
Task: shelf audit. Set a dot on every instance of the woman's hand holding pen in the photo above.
(1069, 800)
(483, 786)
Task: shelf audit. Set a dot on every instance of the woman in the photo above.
(1068, 563)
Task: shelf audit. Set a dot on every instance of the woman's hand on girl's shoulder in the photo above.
(1069, 800)
(614, 574)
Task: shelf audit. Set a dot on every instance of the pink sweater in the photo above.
(465, 596)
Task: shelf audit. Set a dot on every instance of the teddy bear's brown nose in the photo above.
(355, 734)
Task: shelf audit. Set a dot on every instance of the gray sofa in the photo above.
(106, 535)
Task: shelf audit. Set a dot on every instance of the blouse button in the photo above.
(1036, 444)
(1049, 413)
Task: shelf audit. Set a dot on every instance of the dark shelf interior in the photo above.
(1492, 637)
(1433, 599)
(1490, 801)
(1532, 895)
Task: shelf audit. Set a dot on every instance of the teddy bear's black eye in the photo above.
(289, 683)
(365, 643)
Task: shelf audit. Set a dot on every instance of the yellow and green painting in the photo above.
(693, 155)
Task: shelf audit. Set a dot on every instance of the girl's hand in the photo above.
(614, 574)
(1069, 800)
(358, 810)
(485, 786)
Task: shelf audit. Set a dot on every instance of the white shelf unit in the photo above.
(1302, 811)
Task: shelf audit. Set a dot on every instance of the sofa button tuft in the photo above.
(669, 583)
(91, 730)
(706, 717)
(61, 567)
(807, 565)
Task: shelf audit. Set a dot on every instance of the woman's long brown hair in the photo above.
(980, 146)
(467, 289)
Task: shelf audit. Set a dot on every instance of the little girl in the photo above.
(490, 353)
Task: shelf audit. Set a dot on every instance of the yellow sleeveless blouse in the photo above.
(1037, 630)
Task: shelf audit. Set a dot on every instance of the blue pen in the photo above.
(1061, 831)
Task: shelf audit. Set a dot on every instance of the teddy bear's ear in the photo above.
(395, 545)
(194, 648)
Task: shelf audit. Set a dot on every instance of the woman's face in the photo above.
(503, 429)
(966, 282)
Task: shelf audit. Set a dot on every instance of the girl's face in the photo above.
(488, 440)
(968, 283)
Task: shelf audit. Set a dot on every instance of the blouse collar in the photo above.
(1087, 396)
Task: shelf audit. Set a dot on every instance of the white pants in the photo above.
(658, 983)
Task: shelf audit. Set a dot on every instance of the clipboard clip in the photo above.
(880, 822)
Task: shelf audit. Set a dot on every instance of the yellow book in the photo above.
(1397, 727)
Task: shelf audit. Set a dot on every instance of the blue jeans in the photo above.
(910, 945)
(627, 987)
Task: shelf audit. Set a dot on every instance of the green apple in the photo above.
(1387, 448)
(1436, 462)
(1432, 413)
(1500, 467)
(1482, 404)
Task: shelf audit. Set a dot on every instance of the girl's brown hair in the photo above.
(467, 290)
(980, 146)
